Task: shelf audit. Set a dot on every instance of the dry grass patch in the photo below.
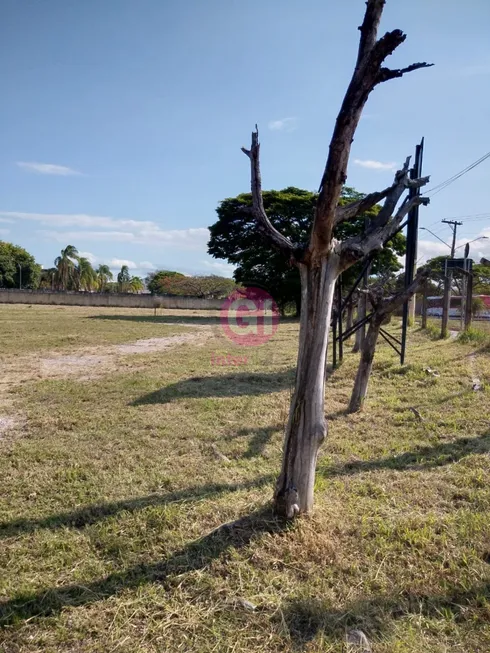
(113, 505)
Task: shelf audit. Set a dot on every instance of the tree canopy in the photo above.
(481, 277)
(155, 281)
(17, 267)
(236, 238)
(212, 286)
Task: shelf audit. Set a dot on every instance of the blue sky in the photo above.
(122, 121)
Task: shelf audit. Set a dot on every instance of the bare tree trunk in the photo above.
(365, 366)
(306, 427)
(297, 303)
(349, 315)
(424, 306)
(446, 306)
(323, 257)
(469, 303)
(383, 309)
(361, 314)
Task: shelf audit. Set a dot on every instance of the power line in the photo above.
(468, 216)
(451, 180)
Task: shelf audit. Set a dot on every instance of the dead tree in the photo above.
(382, 310)
(323, 258)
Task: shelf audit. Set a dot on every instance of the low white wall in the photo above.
(12, 296)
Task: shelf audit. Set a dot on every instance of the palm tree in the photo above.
(123, 279)
(65, 267)
(85, 276)
(104, 275)
(136, 284)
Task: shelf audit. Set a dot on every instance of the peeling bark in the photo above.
(306, 428)
(322, 259)
(359, 393)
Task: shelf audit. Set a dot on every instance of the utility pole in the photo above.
(464, 288)
(411, 253)
(448, 281)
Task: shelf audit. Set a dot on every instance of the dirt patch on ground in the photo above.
(6, 424)
(103, 360)
(70, 364)
(156, 344)
(85, 365)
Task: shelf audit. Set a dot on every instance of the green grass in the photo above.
(474, 335)
(114, 491)
(30, 329)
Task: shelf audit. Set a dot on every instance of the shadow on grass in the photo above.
(306, 618)
(422, 458)
(193, 556)
(94, 513)
(226, 385)
(161, 319)
(259, 439)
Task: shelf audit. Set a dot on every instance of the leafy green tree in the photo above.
(104, 275)
(477, 306)
(17, 267)
(154, 280)
(136, 284)
(66, 264)
(236, 238)
(207, 287)
(481, 279)
(437, 267)
(124, 279)
(47, 280)
(85, 276)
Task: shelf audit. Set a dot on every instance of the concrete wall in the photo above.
(10, 296)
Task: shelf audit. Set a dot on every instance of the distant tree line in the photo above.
(167, 282)
(73, 272)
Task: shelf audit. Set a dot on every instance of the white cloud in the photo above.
(374, 165)
(4, 232)
(224, 269)
(117, 263)
(47, 168)
(89, 256)
(285, 124)
(428, 249)
(77, 220)
(93, 236)
(178, 238)
(105, 228)
(5, 221)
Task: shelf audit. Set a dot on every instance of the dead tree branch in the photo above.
(386, 223)
(270, 232)
(386, 74)
(401, 183)
(354, 209)
(384, 306)
(367, 74)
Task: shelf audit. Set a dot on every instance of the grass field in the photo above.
(120, 463)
